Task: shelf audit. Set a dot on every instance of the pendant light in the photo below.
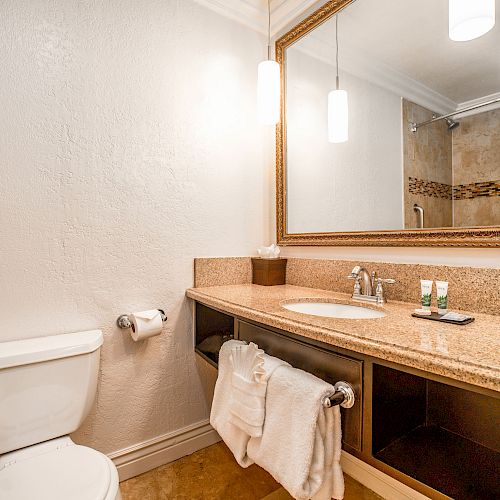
(338, 113)
(469, 19)
(268, 83)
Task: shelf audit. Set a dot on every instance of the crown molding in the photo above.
(283, 12)
(479, 100)
(246, 12)
(361, 65)
(253, 13)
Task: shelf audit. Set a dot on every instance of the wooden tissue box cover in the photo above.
(268, 272)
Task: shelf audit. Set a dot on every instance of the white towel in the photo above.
(301, 440)
(251, 371)
(220, 416)
(227, 409)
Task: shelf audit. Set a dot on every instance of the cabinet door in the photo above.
(326, 365)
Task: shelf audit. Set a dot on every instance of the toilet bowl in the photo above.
(58, 470)
(47, 387)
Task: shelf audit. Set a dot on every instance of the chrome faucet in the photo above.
(372, 290)
(360, 273)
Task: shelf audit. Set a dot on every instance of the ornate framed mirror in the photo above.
(421, 164)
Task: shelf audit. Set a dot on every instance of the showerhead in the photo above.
(451, 123)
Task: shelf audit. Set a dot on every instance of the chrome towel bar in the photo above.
(343, 396)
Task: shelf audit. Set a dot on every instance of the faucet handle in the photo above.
(357, 286)
(379, 293)
(389, 281)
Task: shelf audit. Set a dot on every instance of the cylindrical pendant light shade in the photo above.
(338, 116)
(268, 92)
(469, 19)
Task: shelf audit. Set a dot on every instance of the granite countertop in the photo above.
(467, 353)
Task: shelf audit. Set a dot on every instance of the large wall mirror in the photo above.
(414, 170)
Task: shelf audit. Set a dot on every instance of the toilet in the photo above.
(47, 387)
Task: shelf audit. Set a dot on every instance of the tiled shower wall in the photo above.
(427, 169)
(453, 175)
(476, 170)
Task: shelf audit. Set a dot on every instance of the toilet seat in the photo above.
(57, 470)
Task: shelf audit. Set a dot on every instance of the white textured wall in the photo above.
(353, 186)
(128, 146)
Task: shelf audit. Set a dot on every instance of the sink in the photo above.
(333, 310)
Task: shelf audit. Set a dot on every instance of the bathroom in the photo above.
(140, 171)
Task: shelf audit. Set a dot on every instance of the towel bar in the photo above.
(343, 396)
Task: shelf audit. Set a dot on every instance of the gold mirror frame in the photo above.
(488, 236)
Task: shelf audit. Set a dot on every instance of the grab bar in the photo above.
(420, 211)
(343, 396)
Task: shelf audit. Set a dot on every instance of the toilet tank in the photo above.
(47, 386)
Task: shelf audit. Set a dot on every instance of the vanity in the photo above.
(427, 395)
(410, 159)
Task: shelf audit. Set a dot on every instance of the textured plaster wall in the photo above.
(129, 146)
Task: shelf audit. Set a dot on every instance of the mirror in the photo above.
(414, 169)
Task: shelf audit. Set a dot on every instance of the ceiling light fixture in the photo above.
(338, 112)
(268, 83)
(469, 19)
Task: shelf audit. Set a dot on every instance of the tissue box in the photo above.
(268, 272)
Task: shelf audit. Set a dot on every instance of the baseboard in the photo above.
(382, 484)
(161, 450)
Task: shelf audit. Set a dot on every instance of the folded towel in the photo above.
(301, 440)
(251, 371)
(220, 417)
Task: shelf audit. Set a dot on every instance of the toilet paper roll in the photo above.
(146, 324)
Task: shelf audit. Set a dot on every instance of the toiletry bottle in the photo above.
(426, 295)
(442, 296)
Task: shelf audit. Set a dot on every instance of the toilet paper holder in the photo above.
(124, 322)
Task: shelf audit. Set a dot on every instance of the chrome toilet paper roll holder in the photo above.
(124, 322)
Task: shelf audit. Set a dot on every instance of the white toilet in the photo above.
(47, 387)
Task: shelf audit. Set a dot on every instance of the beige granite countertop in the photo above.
(467, 353)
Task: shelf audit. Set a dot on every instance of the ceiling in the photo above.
(410, 38)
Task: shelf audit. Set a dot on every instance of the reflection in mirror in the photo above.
(400, 70)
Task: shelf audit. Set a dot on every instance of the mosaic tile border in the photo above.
(430, 188)
(476, 190)
(458, 192)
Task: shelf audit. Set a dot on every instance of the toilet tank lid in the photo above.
(24, 352)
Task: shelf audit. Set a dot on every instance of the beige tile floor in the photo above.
(213, 474)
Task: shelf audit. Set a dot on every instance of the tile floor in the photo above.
(213, 474)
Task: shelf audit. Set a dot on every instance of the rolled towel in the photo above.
(301, 440)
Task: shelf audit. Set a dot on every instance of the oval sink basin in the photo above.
(332, 310)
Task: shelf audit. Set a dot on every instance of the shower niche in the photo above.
(445, 437)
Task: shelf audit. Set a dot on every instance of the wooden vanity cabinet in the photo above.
(439, 436)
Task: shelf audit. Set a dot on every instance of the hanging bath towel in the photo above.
(301, 440)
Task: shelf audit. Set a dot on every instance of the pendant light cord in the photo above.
(268, 30)
(337, 49)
